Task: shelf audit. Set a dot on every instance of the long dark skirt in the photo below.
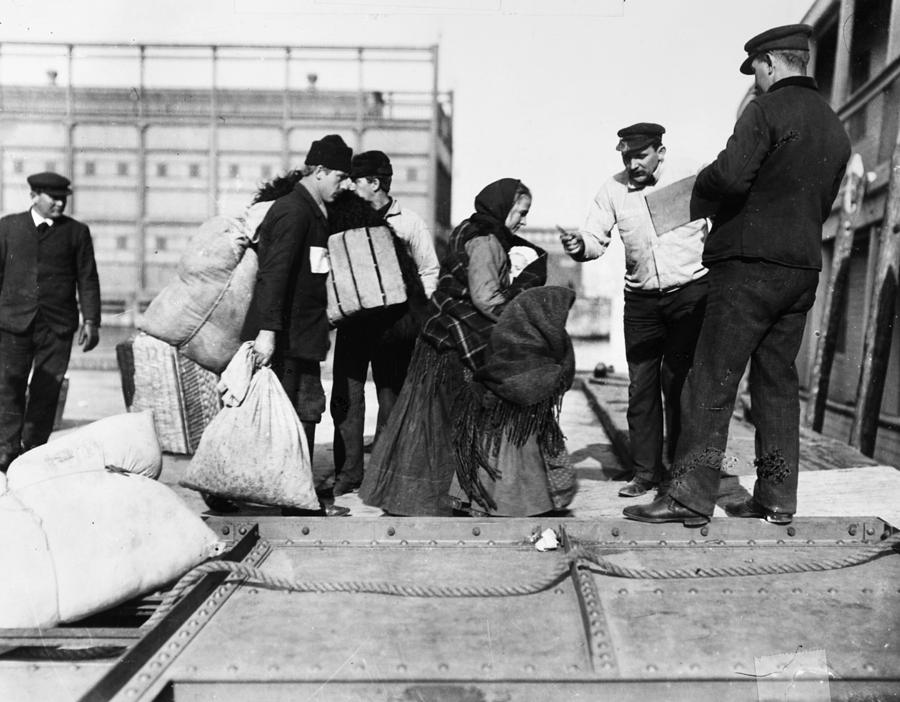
(412, 471)
(413, 464)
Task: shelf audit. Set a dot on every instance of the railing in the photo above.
(51, 102)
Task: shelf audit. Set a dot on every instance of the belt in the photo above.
(659, 292)
(662, 292)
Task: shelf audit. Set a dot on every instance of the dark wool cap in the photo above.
(371, 163)
(330, 151)
(639, 136)
(50, 183)
(790, 36)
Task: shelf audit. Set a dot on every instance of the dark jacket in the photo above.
(289, 298)
(41, 272)
(774, 184)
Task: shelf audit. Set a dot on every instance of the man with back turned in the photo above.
(769, 192)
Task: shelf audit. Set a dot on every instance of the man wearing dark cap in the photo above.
(665, 289)
(287, 315)
(385, 339)
(45, 257)
(769, 191)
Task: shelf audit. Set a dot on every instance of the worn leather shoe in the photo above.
(336, 511)
(330, 510)
(751, 509)
(665, 509)
(222, 505)
(636, 488)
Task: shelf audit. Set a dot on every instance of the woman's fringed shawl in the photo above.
(454, 323)
(518, 392)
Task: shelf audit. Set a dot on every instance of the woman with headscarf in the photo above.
(432, 445)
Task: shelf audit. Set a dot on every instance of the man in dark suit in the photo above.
(45, 257)
(287, 319)
(770, 191)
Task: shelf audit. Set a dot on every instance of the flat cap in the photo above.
(638, 136)
(788, 36)
(331, 152)
(371, 163)
(50, 183)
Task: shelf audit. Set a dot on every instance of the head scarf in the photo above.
(492, 207)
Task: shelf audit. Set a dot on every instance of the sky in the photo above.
(540, 86)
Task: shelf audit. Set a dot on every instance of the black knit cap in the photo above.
(331, 152)
(50, 183)
(789, 36)
(639, 136)
(371, 163)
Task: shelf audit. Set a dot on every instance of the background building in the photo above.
(856, 62)
(158, 138)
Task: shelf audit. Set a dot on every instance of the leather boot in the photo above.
(665, 509)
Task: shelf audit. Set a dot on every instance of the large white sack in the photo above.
(28, 583)
(126, 442)
(255, 449)
(114, 536)
(202, 311)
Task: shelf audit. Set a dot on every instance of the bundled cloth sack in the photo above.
(202, 311)
(254, 450)
(124, 442)
(79, 543)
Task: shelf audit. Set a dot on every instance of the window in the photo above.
(266, 172)
(412, 174)
(194, 170)
(161, 243)
(121, 243)
(234, 170)
(122, 168)
(90, 168)
(162, 170)
(19, 166)
(50, 166)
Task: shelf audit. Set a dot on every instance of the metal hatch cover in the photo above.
(586, 634)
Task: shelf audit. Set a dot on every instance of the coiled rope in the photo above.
(579, 554)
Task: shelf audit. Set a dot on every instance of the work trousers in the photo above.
(661, 331)
(756, 312)
(301, 379)
(385, 340)
(28, 407)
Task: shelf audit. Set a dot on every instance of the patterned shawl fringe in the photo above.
(427, 363)
(478, 431)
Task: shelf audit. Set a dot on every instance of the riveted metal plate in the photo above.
(675, 638)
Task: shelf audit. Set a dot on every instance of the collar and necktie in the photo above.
(632, 186)
(43, 227)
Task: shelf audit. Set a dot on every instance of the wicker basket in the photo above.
(181, 394)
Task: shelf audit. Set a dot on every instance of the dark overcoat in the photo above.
(775, 182)
(290, 296)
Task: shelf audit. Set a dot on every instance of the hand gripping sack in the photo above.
(202, 311)
(254, 450)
